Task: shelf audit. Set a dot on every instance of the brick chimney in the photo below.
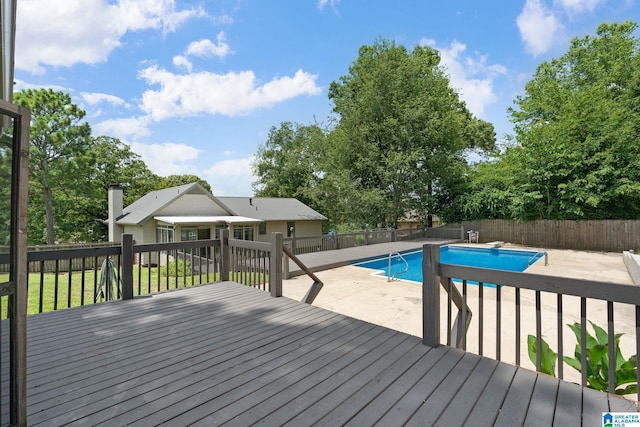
(115, 212)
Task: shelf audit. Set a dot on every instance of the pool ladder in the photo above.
(532, 259)
(406, 266)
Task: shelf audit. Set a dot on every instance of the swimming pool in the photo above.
(497, 259)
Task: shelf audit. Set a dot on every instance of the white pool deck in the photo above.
(355, 292)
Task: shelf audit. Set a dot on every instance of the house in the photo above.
(190, 212)
(278, 215)
(414, 221)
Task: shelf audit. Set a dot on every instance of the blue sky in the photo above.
(194, 86)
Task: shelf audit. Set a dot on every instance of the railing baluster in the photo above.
(41, 287)
(498, 321)
(55, 296)
(82, 280)
(95, 276)
(518, 326)
(480, 317)
(449, 310)
(560, 340)
(463, 325)
(638, 351)
(538, 332)
(583, 339)
(612, 349)
(69, 283)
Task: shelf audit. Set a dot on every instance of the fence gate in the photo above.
(14, 153)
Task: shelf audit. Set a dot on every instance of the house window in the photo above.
(164, 233)
(188, 234)
(291, 228)
(243, 232)
(262, 228)
(218, 230)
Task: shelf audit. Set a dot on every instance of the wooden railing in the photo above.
(326, 242)
(74, 279)
(509, 306)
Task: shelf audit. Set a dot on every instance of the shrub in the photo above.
(178, 267)
(597, 359)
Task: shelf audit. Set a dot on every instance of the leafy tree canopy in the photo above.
(577, 154)
(402, 133)
(70, 172)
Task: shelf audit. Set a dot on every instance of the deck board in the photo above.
(228, 353)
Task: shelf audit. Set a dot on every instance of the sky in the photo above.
(194, 86)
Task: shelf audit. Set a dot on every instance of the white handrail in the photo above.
(546, 258)
(390, 277)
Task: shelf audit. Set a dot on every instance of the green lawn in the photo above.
(72, 292)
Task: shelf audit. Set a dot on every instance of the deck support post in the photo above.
(127, 266)
(275, 265)
(430, 295)
(225, 255)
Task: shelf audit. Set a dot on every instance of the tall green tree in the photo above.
(176, 180)
(288, 163)
(577, 130)
(402, 131)
(59, 142)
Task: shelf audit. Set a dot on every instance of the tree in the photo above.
(577, 131)
(287, 164)
(59, 141)
(176, 180)
(402, 131)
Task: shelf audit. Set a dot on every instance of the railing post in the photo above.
(430, 295)
(275, 265)
(127, 266)
(225, 255)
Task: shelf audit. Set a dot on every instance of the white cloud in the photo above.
(539, 27)
(67, 32)
(97, 98)
(123, 129)
(209, 93)
(202, 48)
(470, 75)
(182, 61)
(231, 177)
(323, 3)
(578, 6)
(206, 48)
(167, 158)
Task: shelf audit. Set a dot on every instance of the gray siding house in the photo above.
(190, 212)
(277, 215)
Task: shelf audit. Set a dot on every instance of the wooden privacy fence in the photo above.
(601, 235)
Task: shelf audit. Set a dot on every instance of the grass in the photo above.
(76, 289)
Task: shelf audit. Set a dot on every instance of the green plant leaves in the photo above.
(597, 360)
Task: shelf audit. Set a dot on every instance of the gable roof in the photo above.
(271, 208)
(146, 206)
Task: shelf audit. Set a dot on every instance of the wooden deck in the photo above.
(226, 353)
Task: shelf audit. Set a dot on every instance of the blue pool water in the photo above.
(497, 259)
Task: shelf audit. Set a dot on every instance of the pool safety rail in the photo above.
(534, 259)
(391, 277)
